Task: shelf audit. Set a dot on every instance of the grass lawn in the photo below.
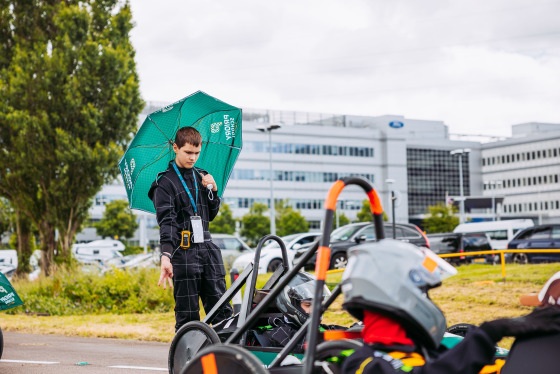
(476, 294)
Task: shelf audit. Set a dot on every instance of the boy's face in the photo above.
(186, 156)
(306, 306)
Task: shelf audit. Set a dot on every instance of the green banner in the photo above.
(8, 296)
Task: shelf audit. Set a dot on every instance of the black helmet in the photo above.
(392, 278)
(301, 288)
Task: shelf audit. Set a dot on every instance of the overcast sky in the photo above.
(480, 65)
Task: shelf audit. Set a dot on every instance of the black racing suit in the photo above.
(199, 269)
(283, 330)
(467, 357)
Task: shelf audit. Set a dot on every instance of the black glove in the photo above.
(541, 321)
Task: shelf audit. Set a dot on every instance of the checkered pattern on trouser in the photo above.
(198, 271)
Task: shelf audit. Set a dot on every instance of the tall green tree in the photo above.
(25, 242)
(364, 215)
(291, 222)
(255, 225)
(118, 220)
(224, 222)
(288, 220)
(341, 219)
(5, 216)
(441, 218)
(69, 101)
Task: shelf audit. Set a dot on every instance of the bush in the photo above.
(73, 293)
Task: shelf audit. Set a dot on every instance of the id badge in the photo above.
(197, 230)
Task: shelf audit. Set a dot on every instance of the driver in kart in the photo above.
(295, 303)
(386, 286)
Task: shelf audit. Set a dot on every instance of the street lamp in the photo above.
(269, 128)
(460, 152)
(393, 198)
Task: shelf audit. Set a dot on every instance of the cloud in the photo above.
(478, 66)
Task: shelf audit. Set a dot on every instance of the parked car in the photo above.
(98, 250)
(447, 243)
(9, 257)
(537, 237)
(271, 255)
(231, 246)
(355, 233)
(499, 232)
(137, 261)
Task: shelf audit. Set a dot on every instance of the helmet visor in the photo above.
(306, 291)
(443, 268)
(431, 271)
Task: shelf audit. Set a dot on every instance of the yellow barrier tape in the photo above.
(492, 252)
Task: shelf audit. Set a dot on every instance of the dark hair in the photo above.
(188, 135)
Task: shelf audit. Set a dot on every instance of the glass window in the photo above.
(444, 244)
(498, 234)
(368, 232)
(541, 233)
(408, 233)
(344, 233)
(231, 244)
(476, 243)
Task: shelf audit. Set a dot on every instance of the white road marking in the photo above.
(31, 362)
(138, 368)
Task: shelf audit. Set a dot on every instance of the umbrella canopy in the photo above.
(151, 149)
(8, 296)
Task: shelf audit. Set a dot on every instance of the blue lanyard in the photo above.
(193, 202)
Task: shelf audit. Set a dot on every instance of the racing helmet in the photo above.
(392, 278)
(301, 288)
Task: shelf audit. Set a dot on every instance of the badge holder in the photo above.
(198, 231)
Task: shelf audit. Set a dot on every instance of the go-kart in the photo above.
(322, 347)
(326, 350)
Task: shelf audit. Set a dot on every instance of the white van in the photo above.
(98, 250)
(9, 257)
(500, 232)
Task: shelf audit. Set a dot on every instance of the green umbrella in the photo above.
(8, 296)
(151, 149)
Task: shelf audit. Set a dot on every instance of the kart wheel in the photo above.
(332, 354)
(460, 329)
(187, 342)
(520, 258)
(339, 261)
(225, 358)
(273, 265)
(1, 343)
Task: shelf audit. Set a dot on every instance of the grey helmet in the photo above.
(392, 278)
(300, 288)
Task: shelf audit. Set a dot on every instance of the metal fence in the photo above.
(493, 252)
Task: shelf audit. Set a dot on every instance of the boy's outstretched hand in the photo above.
(166, 272)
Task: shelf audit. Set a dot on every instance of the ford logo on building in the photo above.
(396, 125)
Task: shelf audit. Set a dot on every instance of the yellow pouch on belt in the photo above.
(185, 239)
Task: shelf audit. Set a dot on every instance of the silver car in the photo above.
(231, 246)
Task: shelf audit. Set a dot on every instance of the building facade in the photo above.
(414, 158)
(525, 171)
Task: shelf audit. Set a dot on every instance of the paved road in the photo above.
(28, 353)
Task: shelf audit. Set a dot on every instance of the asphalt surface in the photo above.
(29, 353)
